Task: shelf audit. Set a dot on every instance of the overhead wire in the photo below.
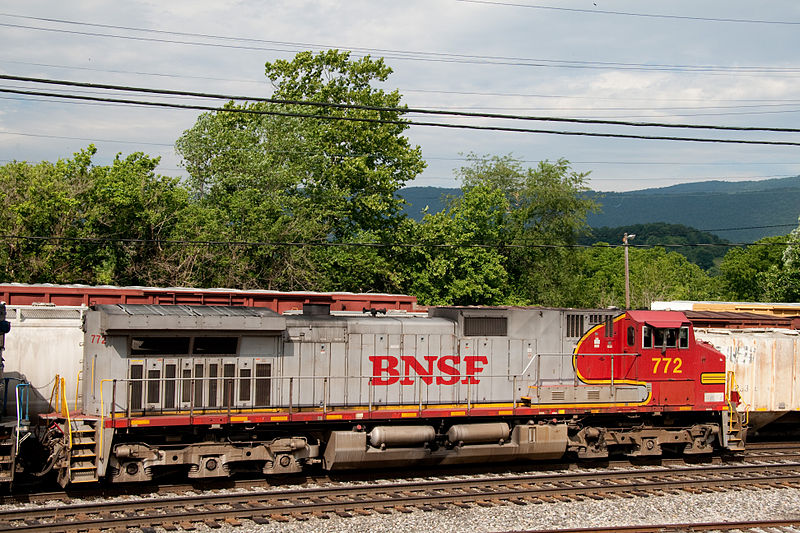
(632, 14)
(441, 57)
(196, 107)
(404, 109)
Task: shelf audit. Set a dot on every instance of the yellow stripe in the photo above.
(334, 417)
(604, 381)
(240, 419)
(408, 415)
(140, 422)
(712, 378)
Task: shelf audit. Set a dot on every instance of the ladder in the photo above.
(736, 427)
(8, 452)
(737, 431)
(82, 455)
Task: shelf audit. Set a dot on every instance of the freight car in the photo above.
(209, 391)
(761, 343)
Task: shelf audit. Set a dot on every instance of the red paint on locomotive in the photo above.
(656, 349)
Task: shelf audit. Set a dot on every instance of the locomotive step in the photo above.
(82, 429)
(82, 465)
(80, 454)
(83, 476)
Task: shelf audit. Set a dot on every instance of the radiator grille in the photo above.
(485, 326)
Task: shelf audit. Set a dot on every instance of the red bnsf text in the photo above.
(443, 370)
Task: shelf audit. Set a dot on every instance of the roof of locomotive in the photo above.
(122, 318)
(659, 319)
(182, 310)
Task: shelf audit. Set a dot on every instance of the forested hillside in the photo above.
(710, 205)
(671, 236)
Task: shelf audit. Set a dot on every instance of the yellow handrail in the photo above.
(65, 411)
(77, 388)
(730, 386)
(102, 416)
(54, 395)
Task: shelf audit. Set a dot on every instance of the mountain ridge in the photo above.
(737, 211)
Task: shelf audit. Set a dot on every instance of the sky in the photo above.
(725, 63)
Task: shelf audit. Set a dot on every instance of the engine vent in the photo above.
(557, 395)
(485, 326)
(593, 394)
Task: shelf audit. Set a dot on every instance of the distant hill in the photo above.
(711, 206)
(656, 233)
(418, 198)
(708, 206)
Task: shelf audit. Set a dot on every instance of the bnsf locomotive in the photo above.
(212, 390)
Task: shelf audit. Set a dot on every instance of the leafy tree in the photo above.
(658, 233)
(72, 200)
(744, 272)
(454, 267)
(783, 280)
(329, 177)
(547, 209)
(655, 274)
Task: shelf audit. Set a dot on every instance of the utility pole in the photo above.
(625, 239)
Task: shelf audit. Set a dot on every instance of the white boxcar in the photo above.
(766, 363)
(44, 340)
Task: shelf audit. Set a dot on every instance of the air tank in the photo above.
(478, 433)
(399, 436)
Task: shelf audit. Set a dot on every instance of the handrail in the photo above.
(731, 385)
(77, 388)
(25, 386)
(184, 393)
(54, 393)
(102, 416)
(65, 411)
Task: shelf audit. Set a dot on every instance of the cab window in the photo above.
(683, 340)
(663, 337)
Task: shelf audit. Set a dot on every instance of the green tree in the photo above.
(329, 176)
(655, 274)
(460, 263)
(124, 208)
(745, 272)
(783, 279)
(547, 210)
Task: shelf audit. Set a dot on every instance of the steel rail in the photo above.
(343, 501)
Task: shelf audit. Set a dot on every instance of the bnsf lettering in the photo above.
(386, 369)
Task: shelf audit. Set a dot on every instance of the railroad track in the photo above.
(282, 505)
(762, 452)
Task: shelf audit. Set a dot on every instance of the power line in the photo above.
(794, 224)
(403, 122)
(763, 101)
(632, 14)
(407, 110)
(288, 46)
(65, 137)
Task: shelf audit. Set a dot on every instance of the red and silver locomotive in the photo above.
(212, 390)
